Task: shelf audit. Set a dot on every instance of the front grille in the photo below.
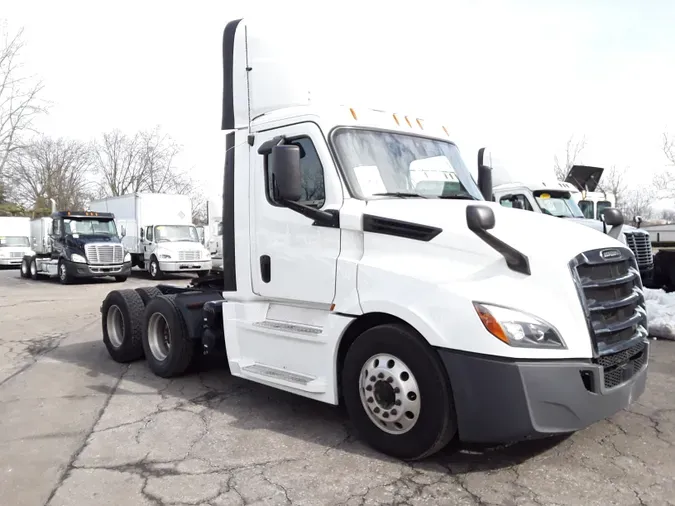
(104, 253)
(621, 366)
(189, 256)
(16, 254)
(610, 291)
(641, 246)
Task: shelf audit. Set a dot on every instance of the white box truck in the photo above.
(14, 239)
(429, 317)
(158, 232)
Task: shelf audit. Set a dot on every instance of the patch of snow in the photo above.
(660, 313)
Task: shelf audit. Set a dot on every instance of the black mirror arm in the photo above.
(321, 218)
(515, 260)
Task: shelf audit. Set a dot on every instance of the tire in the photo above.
(122, 323)
(154, 270)
(33, 270)
(201, 274)
(161, 320)
(148, 292)
(121, 279)
(64, 277)
(25, 268)
(429, 398)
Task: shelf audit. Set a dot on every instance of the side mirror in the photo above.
(142, 234)
(284, 161)
(484, 176)
(480, 218)
(613, 217)
(123, 231)
(638, 220)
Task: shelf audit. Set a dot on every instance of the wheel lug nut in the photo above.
(376, 410)
(369, 387)
(394, 412)
(385, 414)
(390, 379)
(372, 378)
(370, 399)
(397, 402)
(381, 375)
(397, 390)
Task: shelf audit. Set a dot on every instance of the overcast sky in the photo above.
(518, 76)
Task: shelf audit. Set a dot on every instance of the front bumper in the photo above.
(78, 270)
(500, 401)
(187, 266)
(5, 261)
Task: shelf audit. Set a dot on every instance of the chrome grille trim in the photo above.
(189, 256)
(102, 254)
(641, 246)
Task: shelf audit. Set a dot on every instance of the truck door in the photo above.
(148, 244)
(292, 259)
(56, 238)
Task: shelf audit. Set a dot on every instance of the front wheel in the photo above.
(153, 268)
(64, 277)
(397, 393)
(120, 279)
(25, 268)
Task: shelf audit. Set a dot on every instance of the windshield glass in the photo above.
(14, 240)
(88, 226)
(558, 203)
(173, 233)
(377, 162)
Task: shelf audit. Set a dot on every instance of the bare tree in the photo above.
(638, 202)
(665, 181)
(668, 215)
(52, 169)
(614, 182)
(572, 152)
(19, 98)
(142, 162)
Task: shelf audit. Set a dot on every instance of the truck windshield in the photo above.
(557, 203)
(173, 233)
(88, 226)
(14, 241)
(401, 165)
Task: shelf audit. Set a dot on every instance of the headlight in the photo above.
(518, 329)
(164, 256)
(78, 258)
(127, 257)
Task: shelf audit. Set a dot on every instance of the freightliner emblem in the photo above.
(608, 254)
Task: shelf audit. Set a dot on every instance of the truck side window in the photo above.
(220, 229)
(313, 190)
(516, 201)
(148, 234)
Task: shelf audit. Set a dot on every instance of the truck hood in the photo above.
(181, 245)
(533, 234)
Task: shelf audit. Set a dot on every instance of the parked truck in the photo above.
(158, 232)
(75, 245)
(562, 199)
(429, 317)
(14, 240)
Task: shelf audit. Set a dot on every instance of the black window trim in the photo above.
(323, 170)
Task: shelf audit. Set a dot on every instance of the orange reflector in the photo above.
(408, 121)
(491, 324)
(446, 131)
(396, 119)
(332, 306)
(419, 122)
(353, 113)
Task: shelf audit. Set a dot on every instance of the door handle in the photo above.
(265, 268)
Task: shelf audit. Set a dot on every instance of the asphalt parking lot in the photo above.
(78, 429)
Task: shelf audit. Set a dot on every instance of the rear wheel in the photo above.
(397, 393)
(168, 349)
(122, 321)
(148, 292)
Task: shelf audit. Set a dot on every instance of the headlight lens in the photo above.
(78, 258)
(518, 329)
(127, 257)
(164, 256)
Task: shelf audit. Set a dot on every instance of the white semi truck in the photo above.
(14, 240)
(429, 317)
(158, 232)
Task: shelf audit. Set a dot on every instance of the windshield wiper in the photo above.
(400, 194)
(458, 196)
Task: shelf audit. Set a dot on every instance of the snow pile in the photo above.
(660, 313)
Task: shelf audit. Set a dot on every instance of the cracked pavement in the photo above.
(78, 429)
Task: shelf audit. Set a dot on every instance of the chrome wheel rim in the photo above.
(33, 268)
(62, 270)
(390, 393)
(115, 326)
(153, 269)
(24, 268)
(159, 336)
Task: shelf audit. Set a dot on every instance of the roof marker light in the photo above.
(353, 113)
(396, 119)
(408, 121)
(446, 131)
(419, 122)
